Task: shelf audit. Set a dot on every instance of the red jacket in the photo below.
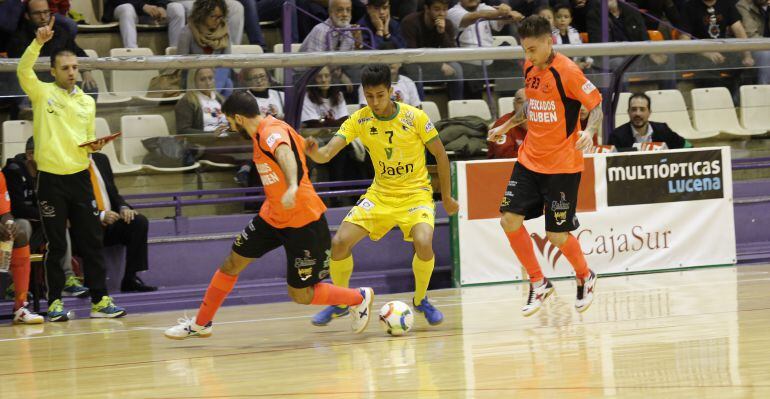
(508, 145)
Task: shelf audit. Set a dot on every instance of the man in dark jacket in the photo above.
(641, 130)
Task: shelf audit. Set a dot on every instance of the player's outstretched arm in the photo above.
(288, 163)
(592, 127)
(442, 163)
(326, 153)
(517, 119)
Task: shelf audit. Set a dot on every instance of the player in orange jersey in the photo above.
(546, 176)
(292, 217)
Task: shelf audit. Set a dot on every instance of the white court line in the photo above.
(134, 329)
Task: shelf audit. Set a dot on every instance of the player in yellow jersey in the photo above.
(396, 136)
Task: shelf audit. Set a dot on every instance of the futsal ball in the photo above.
(396, 318)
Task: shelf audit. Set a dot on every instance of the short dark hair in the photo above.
(429, 3)
(56, 53)
(202, 8)
(375, 74)
(640, 95)
(562, 6)
(534, 26)
(542, 8)
(241, 103)
(377, 3)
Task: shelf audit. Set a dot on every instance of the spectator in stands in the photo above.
(508, 144)
(465, 16)
(207, 33)
(547, 13)
(402, 8)
(178, 12)
(564, 33)
(580, 11)
(60, 9)
(21, 176)
(324, 104)
(754, 17)
(712, 19)
(39, 15)
(257, 82)
(641, 130)
(319, 9)
(385, 28)
(10, 16)
(200, 110)
(128, 13)
(404, 89)
(660, 9)
(122, 224)
(429, 28)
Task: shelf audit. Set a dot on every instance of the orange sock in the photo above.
(220, 286)
(574, 254)
(522, 246)
(327, 294)
(20, 268)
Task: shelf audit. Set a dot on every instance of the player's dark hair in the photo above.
(429, 3)
(334, 94)
(241, 103)
(373, 75)
(534, 26)
(562, 6)
(541, 8)
(377, 3)
(640, 95)
(56, 53)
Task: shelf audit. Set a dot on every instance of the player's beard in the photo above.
(242, 131)
(637, 122)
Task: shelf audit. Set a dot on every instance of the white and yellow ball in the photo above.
(396, 318)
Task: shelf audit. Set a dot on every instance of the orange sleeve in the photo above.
(581, 89)
(5, 198)
(273, 136)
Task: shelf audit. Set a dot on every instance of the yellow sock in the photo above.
(422, 269)
(341, 271)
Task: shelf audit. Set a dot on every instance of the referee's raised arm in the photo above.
(25, 72)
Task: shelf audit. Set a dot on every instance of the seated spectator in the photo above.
(507, 146)
(38, 15)
(128, 13)
(122, 224)
(429, 28)
(61, 9)
(564, 33)
(465, 16)
(320, 10)
(257, 82)
(580, 11)
(21, 176)
(660, 9)
(712, 19)
(200, 110)
(385, 28)
(404, 89)
(641, 130)
(547, 13)
(178, 12)
(754, 15)
(10, 16)
(324, 104)
(207, 33)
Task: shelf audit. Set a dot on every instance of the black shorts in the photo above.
(308, 248)
(532, 194)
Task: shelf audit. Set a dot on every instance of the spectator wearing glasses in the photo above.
(641, 130)
(257, 82)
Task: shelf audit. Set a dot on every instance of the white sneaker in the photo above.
(585, 293)
(537, 297)
(360, 313)
(24, 316)
(188, 329)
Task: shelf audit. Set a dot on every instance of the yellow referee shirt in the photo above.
(396, 146)
(62, 120)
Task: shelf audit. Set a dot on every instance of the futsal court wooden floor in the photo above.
(701, 333)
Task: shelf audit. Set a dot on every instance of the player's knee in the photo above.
(23, 231)
(302, 296)
(511, 222)
(557, 239)
(423, 247)
(230, 267)
(340, 247)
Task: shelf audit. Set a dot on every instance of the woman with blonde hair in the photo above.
(200, 110)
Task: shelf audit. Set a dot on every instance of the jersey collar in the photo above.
(390, 118)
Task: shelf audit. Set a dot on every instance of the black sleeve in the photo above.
(10, 15)
(619, 138)
(731, 14)
(105, 169)
(15, 184)
(672, 139)
(687, 18)
(594, 24)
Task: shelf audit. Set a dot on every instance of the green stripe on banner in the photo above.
(454, 231)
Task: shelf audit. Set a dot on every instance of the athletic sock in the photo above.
(574, 254)
(521, 244)
(220, 286)
(341, 270)
(328, 294)
(20, 269)
(423, 270)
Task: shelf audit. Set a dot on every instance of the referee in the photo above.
(63, 119)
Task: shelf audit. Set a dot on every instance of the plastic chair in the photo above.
(15, 136)
(136, 83)
(755, 107)
(136, 128)
(505, 105)
(431, 109)
(89, 10)
(713, 108)
(103, 129)
(469, 107)
(105, 97)
(668, 106)
(621, 112)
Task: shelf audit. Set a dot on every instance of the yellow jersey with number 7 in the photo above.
(396, 145)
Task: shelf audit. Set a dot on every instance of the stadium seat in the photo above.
(104, 97)
(278, 48)
(246, 49)
(469, 107)
(92, 17)
(755, 107)
(103, 130)
(15, 135)
(668, 106)
(171, 50)
(713, 108)
(431, 109)
(504, 40)
(621, 112)
(504, 105)
(136, 128)
(655, 35)
(135, 83)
